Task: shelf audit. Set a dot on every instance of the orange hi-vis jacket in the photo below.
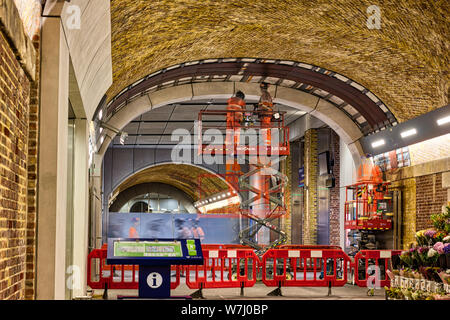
(235, 104)
(369, 172)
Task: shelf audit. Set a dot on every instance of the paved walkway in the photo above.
(259, 292)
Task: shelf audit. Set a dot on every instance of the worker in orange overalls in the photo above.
(133, 231)
(234, 121)
(265, 108)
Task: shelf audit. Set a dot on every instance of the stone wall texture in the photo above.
(335, 193)
(405, 62)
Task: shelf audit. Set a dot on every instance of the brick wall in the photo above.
(335, 193)
(430, 199)
(408, 193)
(32, 180)
(286, 168)
(14, 115)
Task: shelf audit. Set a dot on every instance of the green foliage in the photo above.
(441, 221)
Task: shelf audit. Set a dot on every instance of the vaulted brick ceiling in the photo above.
(405, 63)
(186, 178)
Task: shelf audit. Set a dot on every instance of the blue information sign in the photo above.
(301, 177)
(154, 257)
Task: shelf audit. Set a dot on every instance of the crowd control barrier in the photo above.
(224, 268)
(305, 267)
(371, 267)
(104, 276)
(237, 266)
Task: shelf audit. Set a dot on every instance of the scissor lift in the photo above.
(370, 206)
(268, 192)
(368, 210)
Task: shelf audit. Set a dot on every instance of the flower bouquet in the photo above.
(421, 238)
(419, 255)
(394, 293)
(407, 258)
(390, 274)
(445, 276)
(430, 273)
(443, 249)
(446, 239)
(441, 221)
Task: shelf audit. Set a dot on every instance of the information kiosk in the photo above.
(154, 257)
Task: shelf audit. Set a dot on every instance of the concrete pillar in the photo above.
(80, 207)
(96, 202)
(52, 188)
(347, 177)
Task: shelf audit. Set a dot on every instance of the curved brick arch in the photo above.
(184, 177)
(363, 107)
(405, 63)
(347, 129)
(155, 187)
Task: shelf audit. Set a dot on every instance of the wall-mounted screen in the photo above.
(324, 163)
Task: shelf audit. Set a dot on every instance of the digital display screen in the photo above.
(324, 160)
(147, 249)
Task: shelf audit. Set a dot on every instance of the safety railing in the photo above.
(101, 275)
(371, 267)
(305, 267)
(224, 268)
(237, 266)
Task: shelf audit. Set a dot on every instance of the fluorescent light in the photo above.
(408, 133)
(377, 143)
(221, 204)
(444, 120)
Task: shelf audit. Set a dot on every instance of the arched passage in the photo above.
(190, 180)
(149, 187)
(320, 108)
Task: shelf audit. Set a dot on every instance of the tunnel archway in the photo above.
(151, 187)
(181, 180)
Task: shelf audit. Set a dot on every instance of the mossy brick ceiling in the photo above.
(405, 63)
(186, 178)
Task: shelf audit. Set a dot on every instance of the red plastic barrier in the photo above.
(305, 246)
(114, 276)
(371, 267)
(224, 246)
(234, 266)
(224, 268)
(305, 267)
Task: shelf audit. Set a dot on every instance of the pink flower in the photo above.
(430, 233)
(439, 247)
